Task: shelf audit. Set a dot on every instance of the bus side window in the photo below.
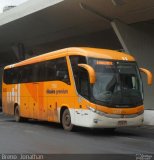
(19, 75)
(26, 74)
(39, 72)
(5, 79)
(14, 75)
(57, 70)
(62, 70)
(50, 69)
(11, 76)
(7, 76)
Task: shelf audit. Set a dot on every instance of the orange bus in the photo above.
(88, 87)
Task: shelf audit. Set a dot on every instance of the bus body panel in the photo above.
(38, 100)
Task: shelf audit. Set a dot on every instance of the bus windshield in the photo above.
(118, 83)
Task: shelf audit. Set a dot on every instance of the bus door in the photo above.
(82, 86)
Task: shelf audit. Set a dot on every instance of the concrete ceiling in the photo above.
(43, 21)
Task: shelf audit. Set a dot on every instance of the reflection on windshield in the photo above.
(117, 83)
(106, 81)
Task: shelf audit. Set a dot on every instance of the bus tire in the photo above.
(110, 130)
(17, 114)
(66, 121)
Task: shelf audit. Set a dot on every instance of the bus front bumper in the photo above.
(91, 119)
(106, 122)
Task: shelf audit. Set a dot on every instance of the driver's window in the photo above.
(80, 75)
(83, 83)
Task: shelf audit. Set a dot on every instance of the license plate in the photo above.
(122, 123)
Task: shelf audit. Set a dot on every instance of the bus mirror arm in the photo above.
(91, 72)
(149, 75)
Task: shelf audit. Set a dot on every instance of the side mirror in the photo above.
(149, 75)
(91, 72)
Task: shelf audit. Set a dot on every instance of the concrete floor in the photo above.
(48, 138)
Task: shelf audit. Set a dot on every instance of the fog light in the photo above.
(142, 120)
(95, 121)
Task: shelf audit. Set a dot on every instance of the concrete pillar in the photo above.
(19, 51)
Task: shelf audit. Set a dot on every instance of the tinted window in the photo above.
(62, 71)
(51, 70)
(44, 71)
(39, 73)
(80, 75)
(10, 76)
(57, 70)
(26, 74)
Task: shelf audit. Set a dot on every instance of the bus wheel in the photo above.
(110, 130)
(17, 115)
(66, 120)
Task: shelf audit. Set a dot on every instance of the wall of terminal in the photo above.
(103, 39)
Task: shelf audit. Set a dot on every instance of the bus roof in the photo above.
(89, 52)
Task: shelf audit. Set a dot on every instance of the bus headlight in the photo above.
(92, 109)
